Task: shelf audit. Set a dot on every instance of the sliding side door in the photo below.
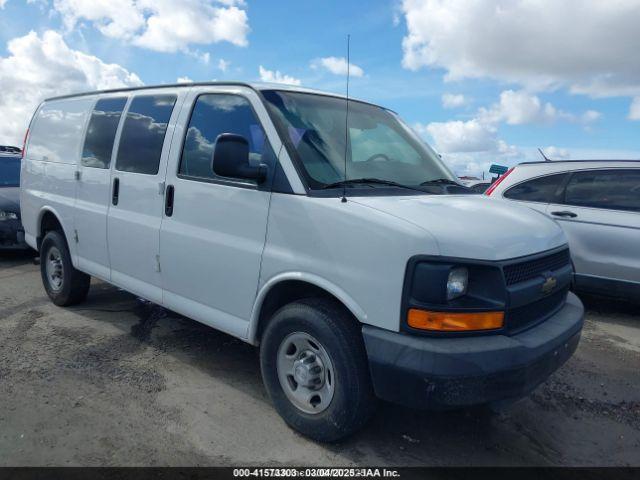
(137, 192)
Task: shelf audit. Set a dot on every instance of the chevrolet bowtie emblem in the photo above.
(549, 284)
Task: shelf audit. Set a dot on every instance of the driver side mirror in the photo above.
(231, 159)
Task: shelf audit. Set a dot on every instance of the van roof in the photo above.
(257, 86)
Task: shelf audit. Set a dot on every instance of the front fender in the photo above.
(310, 278)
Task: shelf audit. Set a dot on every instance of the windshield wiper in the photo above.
(362, 181)
(440, 181)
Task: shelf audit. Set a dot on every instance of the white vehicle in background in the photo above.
(597, 203)
(477, 186)
(230, 204)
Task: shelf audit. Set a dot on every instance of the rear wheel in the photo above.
(63, 283)
(315, 369)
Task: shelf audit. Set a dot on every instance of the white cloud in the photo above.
(161, 25)
(470, 164)
(276, 76)
(41, 66)
(461, 136)
(556, 153)
(521, 108)
(338, 66)
(590, 116)
(480, 134)
(2, 3)
(184, 80)
(588, 46)
(593, 154)
(223, 64)
(450, 100)
(204, 57)
(634, 110)
(113, 18)
(475, 163)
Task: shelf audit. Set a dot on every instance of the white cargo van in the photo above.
(349, 255)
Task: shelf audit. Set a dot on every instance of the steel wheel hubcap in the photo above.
(305, 372)
(54, 268)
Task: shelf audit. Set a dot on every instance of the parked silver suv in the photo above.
(598, 205)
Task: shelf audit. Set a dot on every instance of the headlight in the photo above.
(457, 282)
(7, 216)
(443, 295)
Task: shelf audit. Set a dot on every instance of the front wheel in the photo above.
(315, 369)
(63, 283)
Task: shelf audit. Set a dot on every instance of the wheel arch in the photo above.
(289, 287)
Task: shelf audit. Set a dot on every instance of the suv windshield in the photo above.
(9, 171)
(378, 146)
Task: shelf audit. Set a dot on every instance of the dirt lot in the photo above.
(116, 381)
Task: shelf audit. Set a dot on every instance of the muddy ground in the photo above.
(116, 381)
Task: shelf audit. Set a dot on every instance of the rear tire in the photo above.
(333, 397)
(63, 283)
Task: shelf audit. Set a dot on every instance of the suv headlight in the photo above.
(457, 282)
(7, 216)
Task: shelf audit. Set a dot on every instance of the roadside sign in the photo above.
(499, 169)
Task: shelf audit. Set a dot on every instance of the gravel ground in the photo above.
(117, 381)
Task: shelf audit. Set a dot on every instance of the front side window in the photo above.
(611, 189)
(542, 189)
(98, 143)
(143, 133)
(376, 144)
(213, 115)
(9, 171)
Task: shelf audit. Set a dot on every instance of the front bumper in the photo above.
(12, 235)
(429, 372)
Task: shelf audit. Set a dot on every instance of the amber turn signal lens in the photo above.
(454, 321)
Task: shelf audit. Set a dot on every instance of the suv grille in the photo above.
(528, 315)
(521, 272)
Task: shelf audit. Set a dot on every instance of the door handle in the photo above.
(168, 200)
(116, 191)
(564, 213)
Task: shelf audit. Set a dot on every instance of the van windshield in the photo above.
(9, 171)
(378, 145)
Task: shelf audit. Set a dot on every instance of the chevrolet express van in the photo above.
(339, 244)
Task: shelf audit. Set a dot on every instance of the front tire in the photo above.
(63, 283)
(314, 367)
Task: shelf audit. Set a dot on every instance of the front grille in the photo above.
(535, 312)
(521, 272)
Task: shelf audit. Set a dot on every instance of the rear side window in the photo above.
(143, 133)
(214, 114)
(56, 132)
(611, 189)
(542, 189)
(101, 132)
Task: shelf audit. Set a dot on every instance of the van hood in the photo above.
(474, 226)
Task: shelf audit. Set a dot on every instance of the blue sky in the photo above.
(483, 82)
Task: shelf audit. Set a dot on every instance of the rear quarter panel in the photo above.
(48, 170)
